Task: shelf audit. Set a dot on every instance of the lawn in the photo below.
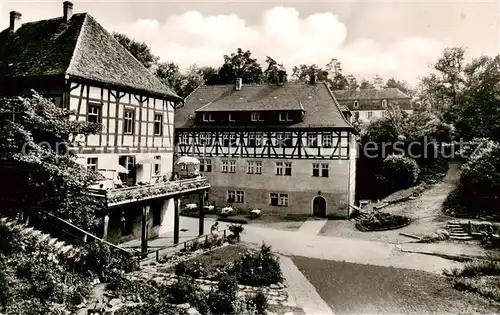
(217, 258)
(365, 289)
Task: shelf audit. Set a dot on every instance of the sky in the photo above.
(399, 39)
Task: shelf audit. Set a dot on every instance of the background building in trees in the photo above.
(283, 147)
(74, 61)
(369, 104)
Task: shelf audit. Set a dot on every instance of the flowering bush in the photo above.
(382, 221)
(258, 269)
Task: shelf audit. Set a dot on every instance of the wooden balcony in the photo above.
(121, 196)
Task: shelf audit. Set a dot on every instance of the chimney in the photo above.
(67, 10)
(312, 78)
(238, 84)
(15, 21)
(281, 77)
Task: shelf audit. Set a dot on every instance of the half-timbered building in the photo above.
(74, 61)
(285, 147)
(369, 104)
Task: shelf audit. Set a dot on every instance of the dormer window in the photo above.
(231, 117)
(285, 116)
(356, 104)
(384, 103)
(256, 117)
(207, 117)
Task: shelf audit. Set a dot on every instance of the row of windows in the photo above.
(94, 114)
(126, 161)
(283, 116)
(275, 199)
(384, 103)
(255, 167)
(255, 139)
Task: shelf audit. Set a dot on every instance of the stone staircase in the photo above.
(29, 233)
(457, 231)
(361, 216)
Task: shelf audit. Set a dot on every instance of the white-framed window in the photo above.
(128, 121)
(94, 113)
(206, 165)
(369, 115)
(356, 104)
(231, 117)
(315, 169)
(184, 138)
(232, 140)
(284, 140)
(312, 140)
(288, 169)
(254, 167)
(231, 195)
(255, 139)
(158, 125)
(240, 196)
(225, 140)
(225, 166)
(285, 116)
(324, 170)
(232, 166)
(92, 164)
(258, 167)
(384, 103)
(326, 138)
(207, 117)
(277, 199)
(236, 196)
(183, 167)
(255, 117)
(279, 168)
(157, 166)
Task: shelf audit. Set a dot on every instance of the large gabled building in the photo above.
(369, 104)
(74, 61)
(284, 147)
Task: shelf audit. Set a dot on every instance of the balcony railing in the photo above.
(120, 196)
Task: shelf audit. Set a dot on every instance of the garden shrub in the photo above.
(106, 262)
(258, 269)
(236, 230)
(400, 172)
(479, 184)
(223, 297)
(180, 268)
(182, 291)
(259, 301)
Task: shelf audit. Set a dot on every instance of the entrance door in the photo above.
(319, 206)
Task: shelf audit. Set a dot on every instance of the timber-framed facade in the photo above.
(76, 63)
(283, 148)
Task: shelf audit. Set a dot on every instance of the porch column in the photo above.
(144, 232)
(201, 222)
(105, 227)
(176, 221)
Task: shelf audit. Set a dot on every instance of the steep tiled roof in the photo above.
(321, 108)
(369, 94)
(256, 98)
(81, 48)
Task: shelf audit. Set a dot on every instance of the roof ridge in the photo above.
(77, 44)
(255, 84)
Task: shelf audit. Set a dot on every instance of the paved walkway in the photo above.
(444, 249)
(344, 249)
(302, 291)
(312, 226)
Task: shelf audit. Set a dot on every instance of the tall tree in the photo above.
(210, 75)
(169, 74)
(272, 71)
(365, 84)
(240, 65)
(139, 50)
(34, 158)
(303, 72)
(190, 80)
(352, 82)
(403, 86)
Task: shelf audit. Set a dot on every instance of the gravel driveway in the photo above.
(425, 212)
